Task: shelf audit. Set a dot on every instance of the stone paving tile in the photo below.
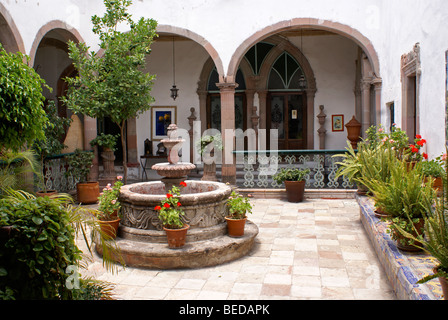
(316, 249)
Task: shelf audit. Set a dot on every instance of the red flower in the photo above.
(157, 208)
(169, 195)
(418, 136)
(413, 148)
(421, 142)
(425, 155)
(166, 205)
(183, 184)
(178, 204)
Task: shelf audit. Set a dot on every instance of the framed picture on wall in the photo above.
(337, 122)
(161, 118)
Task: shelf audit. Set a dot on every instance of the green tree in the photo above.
(112, 83)
(22, 117)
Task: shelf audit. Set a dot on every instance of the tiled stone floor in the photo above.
(317, 249)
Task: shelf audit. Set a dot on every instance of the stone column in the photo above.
(377, 86)
(365, 98)
(228, 169)
(249, 104)
(262, 96)
(202, 108)
(90, 133)
(310, 94)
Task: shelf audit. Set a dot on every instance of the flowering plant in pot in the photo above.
(109, 207)
(170, 214)
(294, 180)
(239, 206)
(412, 153)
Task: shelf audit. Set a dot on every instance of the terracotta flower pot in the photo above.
(176, 237)
(110, 228)
(295, 190)
(444, 283)
(235, 227)
(88, 192)
(46, 193)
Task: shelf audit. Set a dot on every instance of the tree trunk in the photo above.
(122, 127)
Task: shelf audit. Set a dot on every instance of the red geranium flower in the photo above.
(166, 205)
(169, 195)
(183, 184)
(413, 148)
(418, 136)
(421, 142)
(425, 155)
(178, 204)
(158, 207)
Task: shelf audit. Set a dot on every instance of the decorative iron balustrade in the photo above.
(57, 173)
(259, 168)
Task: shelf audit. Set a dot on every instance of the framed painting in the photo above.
(161, 118)
(337, 122)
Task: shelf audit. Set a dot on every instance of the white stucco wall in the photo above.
(392, 27)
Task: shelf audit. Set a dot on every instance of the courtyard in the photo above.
(314, 250)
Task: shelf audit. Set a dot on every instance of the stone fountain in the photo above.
(142, 241)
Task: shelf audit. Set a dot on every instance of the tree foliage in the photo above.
(112, 83)
(22, 117)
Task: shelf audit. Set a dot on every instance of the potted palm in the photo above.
(239, 206)
(108, 208)
(80, 163)
(170, 214)
(294, 180)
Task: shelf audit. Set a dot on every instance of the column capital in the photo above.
(227, 86)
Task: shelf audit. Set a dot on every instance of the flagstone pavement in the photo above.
(316, 249)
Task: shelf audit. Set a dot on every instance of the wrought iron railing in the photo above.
(259, 166)
(57, 173)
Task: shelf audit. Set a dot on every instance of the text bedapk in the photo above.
(243, 309)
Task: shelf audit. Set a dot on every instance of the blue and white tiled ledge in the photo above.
(403, 269)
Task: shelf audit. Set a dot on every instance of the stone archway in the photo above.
(10, 37)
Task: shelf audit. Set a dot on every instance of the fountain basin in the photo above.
(170, 170)
(204, 204)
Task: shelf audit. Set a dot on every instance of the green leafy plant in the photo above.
(105, 141)
(170, 210)
(108, 203)
(434, 241)
(14, 165)
(238, 205)
(289, 174)
(113, 83)
(80, 163)
(40, 249)
(22, 117)
(432, 168)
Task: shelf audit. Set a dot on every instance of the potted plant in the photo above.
(209, 143)
(52, 144)
(433, 169)
(403, 197)
(108, 208)
(170, 214)
(239, 206)
(107, 142)
(294, 180)
(350, 166)
(435, 239)
(80, 163)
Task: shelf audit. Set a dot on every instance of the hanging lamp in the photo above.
(174, 90)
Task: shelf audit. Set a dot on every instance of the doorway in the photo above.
(287, 114)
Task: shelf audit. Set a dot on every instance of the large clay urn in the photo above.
(354, 131)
